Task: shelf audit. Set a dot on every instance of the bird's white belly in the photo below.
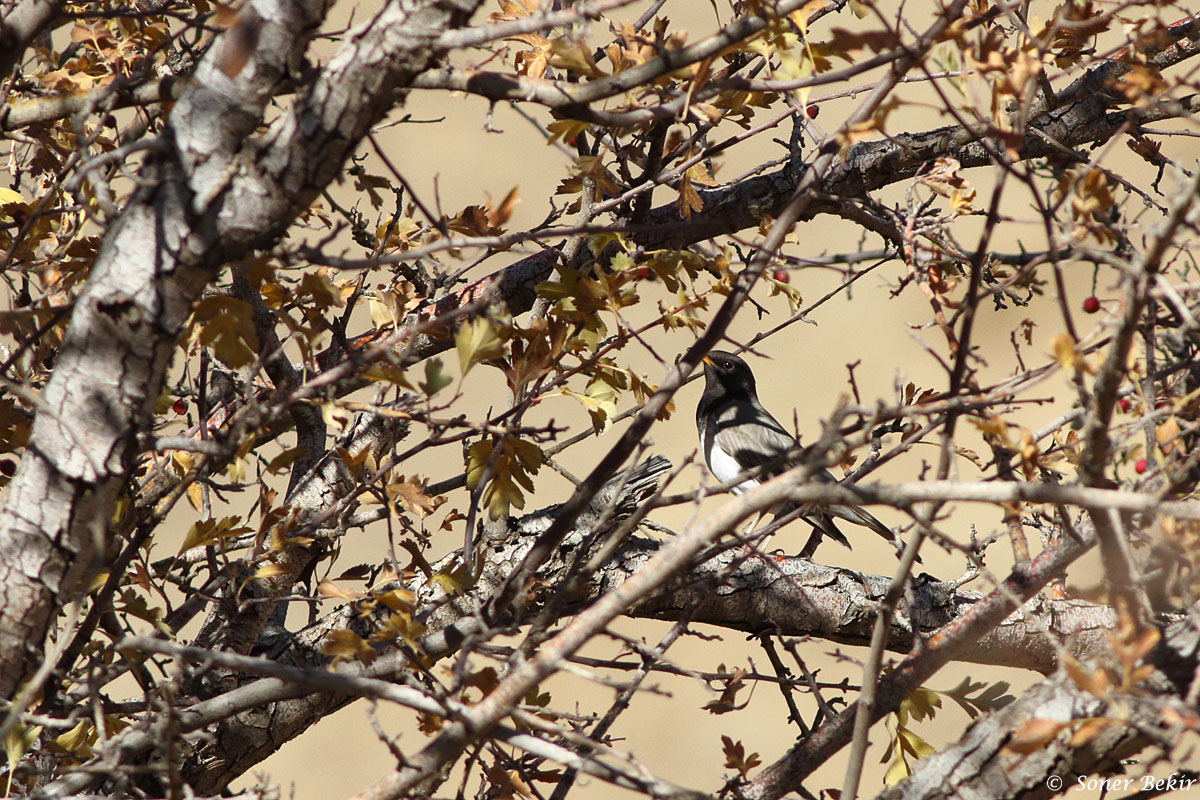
(725, 467)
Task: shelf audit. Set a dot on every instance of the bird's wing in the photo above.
(751, 436)
(859, 516)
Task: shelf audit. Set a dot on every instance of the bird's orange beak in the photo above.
(708, 361)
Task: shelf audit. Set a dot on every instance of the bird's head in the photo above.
(728, 374)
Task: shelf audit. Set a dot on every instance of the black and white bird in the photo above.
(737, 434)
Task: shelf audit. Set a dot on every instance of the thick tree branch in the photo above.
(122, 332)
(19, 25)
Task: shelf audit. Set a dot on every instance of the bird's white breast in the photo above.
(725, 467)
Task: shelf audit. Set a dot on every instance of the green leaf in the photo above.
(990, 698)
(436, 377)
(389, 373)
(622, 262)
(17, 743)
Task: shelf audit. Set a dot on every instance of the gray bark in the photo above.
(156, 259)
(210, 195)
(19, 25)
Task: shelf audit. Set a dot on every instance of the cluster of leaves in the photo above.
(906, 745)
(1130, 648)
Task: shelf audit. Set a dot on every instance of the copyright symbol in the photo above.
(1054, 783)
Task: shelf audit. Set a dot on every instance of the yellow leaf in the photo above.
(601, 406)
(921, 703)
(1063, 348)
(960, 201)
(194, 496)
(211, 531)
(510, 10)
(574, 57)
(76, 740)
(336, 416)
(19, 740)
(284, 459)
(857, 132)
(99, 580)
(388, 373)
(164, 401)
(400, 625)
(268, 570)
(477, 340)
(356, 462)
(183, 458)
(800, 16)
(915, 744)
(454, 582)
(944, 179)
(398, 599)
(410, 494)
(346, 645)
(382, 311)
(226, 325)
(565, 129)
(9, 196)
(498, 215)
(689, 201)
(436, 377)
(1167, 435)
(897, 771)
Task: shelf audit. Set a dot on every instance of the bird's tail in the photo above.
(820, 521)
(823, 525)
(863, 517)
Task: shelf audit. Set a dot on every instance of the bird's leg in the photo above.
(810, 546)
(747, 536)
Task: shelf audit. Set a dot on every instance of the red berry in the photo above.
(1091, 304)
(179, 406)
(645, 273)
(812, 112)
(1161, 403)
(781, 275)
(1140, 466)
(1124, 404)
